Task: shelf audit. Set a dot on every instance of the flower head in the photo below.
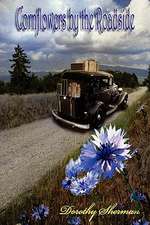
(138, 196)
(141, 222)
(106, 152)
(73, 168)
(83, 186)
(67, 182)
(40, 212)
(74, 221)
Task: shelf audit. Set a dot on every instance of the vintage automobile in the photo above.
(85, 98)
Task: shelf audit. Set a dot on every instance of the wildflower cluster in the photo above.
(138, 196)
(39, 213)
(105, 153)
(74, 221)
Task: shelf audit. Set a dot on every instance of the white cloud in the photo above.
(38, 56)
(61, 47)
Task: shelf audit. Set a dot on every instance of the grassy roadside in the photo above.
(20, 109)
(16, 110)
(49, 192)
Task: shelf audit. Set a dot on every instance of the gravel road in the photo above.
(29, 151)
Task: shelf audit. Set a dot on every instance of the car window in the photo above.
(74, 89)
(104, 82)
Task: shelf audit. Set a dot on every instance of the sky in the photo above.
(55, 51)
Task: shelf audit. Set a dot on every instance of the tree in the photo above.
(20, 71)
(124, 79)
(147, 80)
(34, 83)
(48, 83)
(2, 87)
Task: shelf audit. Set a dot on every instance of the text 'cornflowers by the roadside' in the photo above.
(105, 153)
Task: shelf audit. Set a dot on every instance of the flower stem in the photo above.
(130, 188)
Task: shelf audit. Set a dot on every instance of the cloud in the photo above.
(50, 51)
(38, 56)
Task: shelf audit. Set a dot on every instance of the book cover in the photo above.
(74, 112)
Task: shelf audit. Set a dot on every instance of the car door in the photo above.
(104, 94)
(113, 88)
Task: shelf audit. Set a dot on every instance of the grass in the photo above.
(19, 109)
(49, 191)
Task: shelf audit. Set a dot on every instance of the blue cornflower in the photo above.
(74, 221)
(83, 186)
(106, 152)
(66, 183)
(73, 168)
(141, 222)
(138, 196)
(40, 212)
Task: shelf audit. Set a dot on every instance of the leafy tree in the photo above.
(147, 80)
(124, 79)
(34, 84)
(2, 87)
(48, 83)
(20, 71)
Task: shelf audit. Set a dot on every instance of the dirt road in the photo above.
(29, 151)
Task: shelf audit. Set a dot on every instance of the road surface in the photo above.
(29, 151)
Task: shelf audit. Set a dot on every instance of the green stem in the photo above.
(130, 188)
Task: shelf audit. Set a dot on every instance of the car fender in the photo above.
(123, 97)
(98, 105)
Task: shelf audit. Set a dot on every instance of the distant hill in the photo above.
(39, 74)
(42, 73)
(141, 73)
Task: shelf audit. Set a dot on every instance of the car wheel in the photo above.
(97, 119)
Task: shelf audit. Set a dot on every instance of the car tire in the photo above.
(97, 119)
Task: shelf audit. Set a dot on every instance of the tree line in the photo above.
(147, 80)
(22, 81)
(124, 79)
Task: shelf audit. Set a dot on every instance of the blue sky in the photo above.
(122, 3)
(55, 51)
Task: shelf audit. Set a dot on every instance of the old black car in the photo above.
(84, 98)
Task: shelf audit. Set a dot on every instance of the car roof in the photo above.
(86, 73)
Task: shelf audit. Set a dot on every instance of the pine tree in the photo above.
(20, 71)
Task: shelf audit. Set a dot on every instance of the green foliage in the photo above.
(124, 79)
(24, 82)
(20, 71)
(44, 84)
(147, 80)
(2, 87)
